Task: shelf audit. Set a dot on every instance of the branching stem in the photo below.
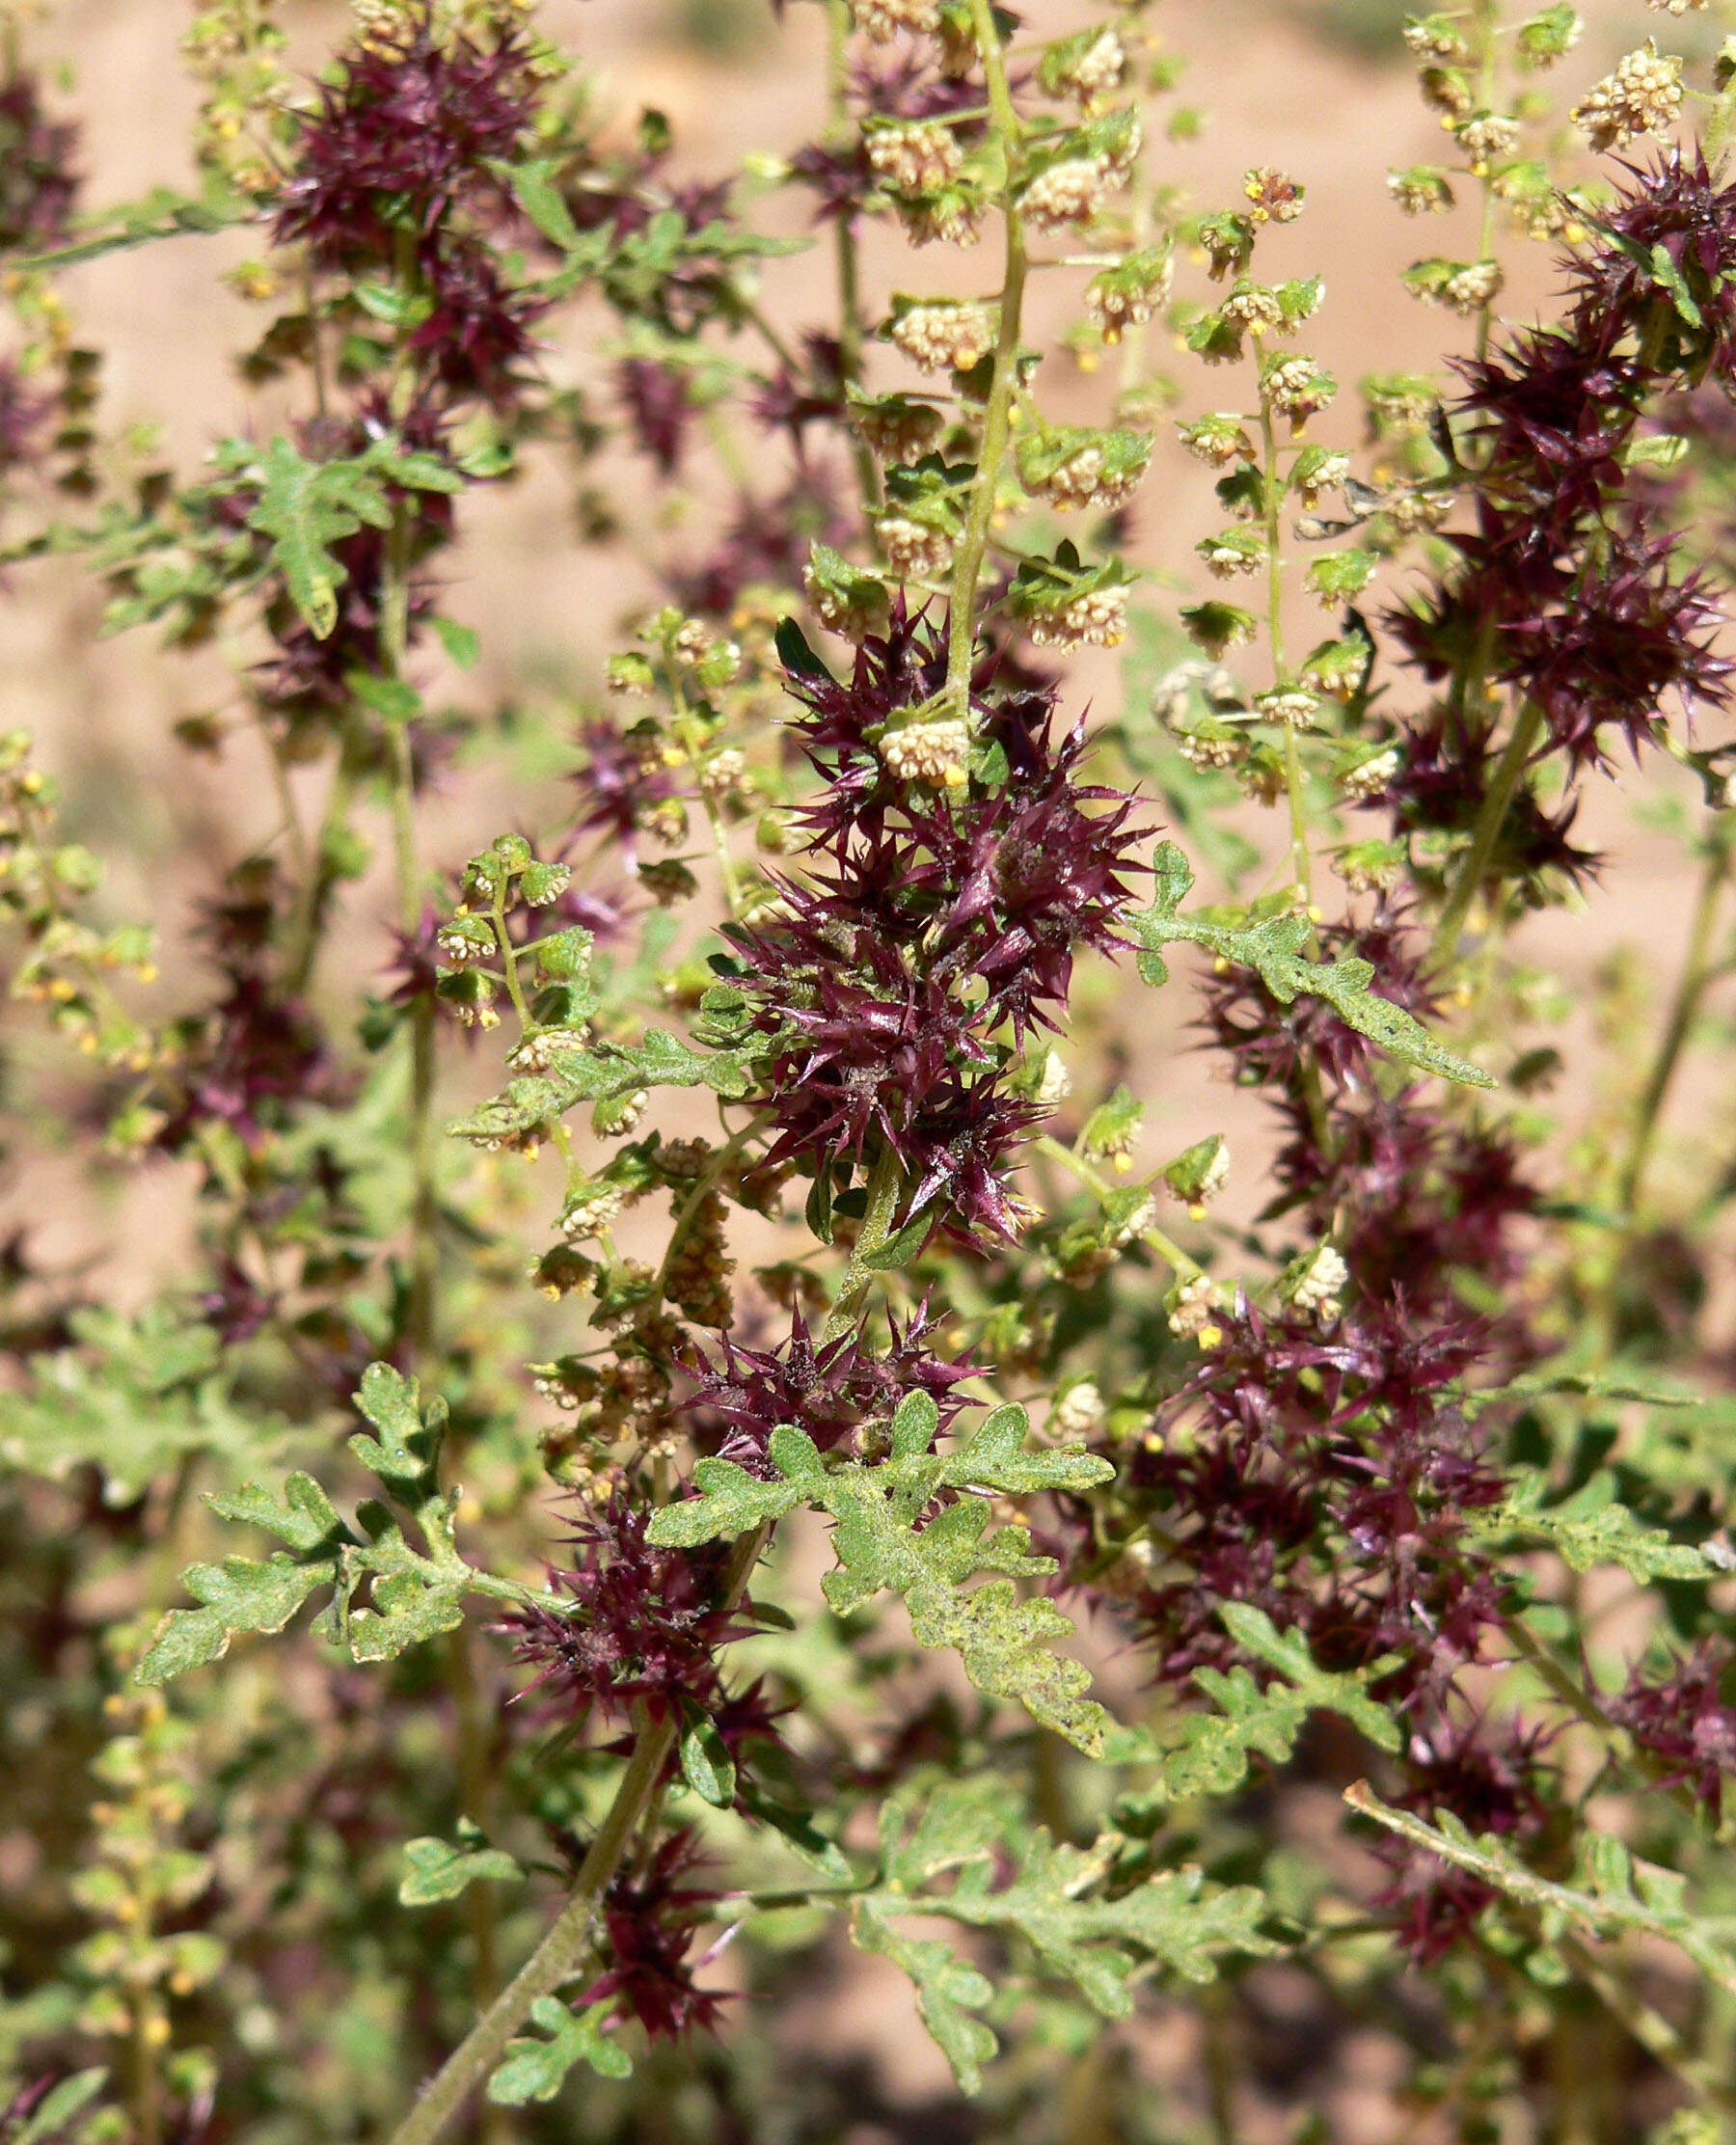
(997, 415)
(1527, 727)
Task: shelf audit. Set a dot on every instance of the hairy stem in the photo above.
(1698, 970)
(844, 244)
(572, 1935)
(1527, 727)
(1295, 788)
(1169, 1251)
(424, 1211)
(886, 1189)
(997, 413)
(1484, 40)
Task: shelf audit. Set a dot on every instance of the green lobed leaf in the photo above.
(1208, 1753)
(411, 1595)
(534, 190)
(536, 2070)
(604, 1070)
(948, 1991)
(1593, 1528)
(1272, 947)
(161, 214)
(1622, 1894)
(440, 1870)
(303, 1519)
(238, 1594)
(406, 1451)
(135, 1398)
(1084, 1926)
(305, 508)
(1004, 1640)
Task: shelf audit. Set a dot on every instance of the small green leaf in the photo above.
(1272, 947)
(60, 2105)
(305, 508)
(901, 1246)
(405, 1452)
(536, 2070)
(305, 1520)
(706, 1764)
(1593, 1528)
(534, 190)
(237, 1595)
(463, 645)
(439, 1870)
(795, 654)
(947, 1991)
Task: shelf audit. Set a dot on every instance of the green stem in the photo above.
(886, 1189)
(313, 890)
(844, 246)
(1294, 783)
(1527, 729)
(1698, 971)
(571, 1936)
(1487, 12)
(1650, 2029)
(997, 415)
(425, 1209)
(573, 1933)
(1169, 1252)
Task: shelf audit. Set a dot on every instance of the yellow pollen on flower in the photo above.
(1209, 1337)
(1315, 913)
(87, 1043)
(1196, 1212)
(673, 755)
(1122, 1164)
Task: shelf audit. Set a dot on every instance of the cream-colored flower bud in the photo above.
(1100, 68)
(883, 19)
(928, 752)
(1195, 1304)
(1643, 96)
(1313, 1285)
(1068, 193)
(1368, 777)
(1289, 705)
(915, 550)
(945, 336)
(1077, 1413)
(1485, 136)
(1098, 617)
(915, 158)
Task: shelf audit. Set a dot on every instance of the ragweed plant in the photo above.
(715, 1407)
